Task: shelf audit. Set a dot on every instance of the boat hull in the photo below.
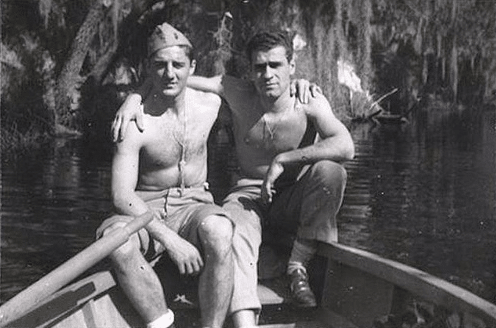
(359, 289)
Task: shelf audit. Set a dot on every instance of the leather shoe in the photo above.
(300, 289)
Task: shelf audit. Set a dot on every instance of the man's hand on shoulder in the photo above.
(130, 110)
(304, 90)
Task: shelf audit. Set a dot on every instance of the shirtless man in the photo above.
(290, 179)
(164, 170)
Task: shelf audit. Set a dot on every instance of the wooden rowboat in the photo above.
(357, 289)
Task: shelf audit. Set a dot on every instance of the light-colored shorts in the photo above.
(182, 212)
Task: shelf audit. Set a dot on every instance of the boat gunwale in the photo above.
(100, 283)
(415, 281)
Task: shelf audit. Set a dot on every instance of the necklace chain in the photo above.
(182, 161)
(272, 130)
(268, 128)
(265, 126)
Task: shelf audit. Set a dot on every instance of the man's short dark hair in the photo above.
(267, 40)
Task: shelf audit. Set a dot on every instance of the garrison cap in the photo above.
(165, 36)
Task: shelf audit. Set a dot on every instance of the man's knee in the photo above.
(216, 233)
(329, 173)
(128, 249)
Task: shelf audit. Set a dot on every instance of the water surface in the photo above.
(422, 193)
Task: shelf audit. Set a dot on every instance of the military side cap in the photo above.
(165, 36)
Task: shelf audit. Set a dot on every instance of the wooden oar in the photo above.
(28, 298)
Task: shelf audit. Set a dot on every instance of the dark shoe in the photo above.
(300, 289)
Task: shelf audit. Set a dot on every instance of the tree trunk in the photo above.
(69, 79)
(365, 43)
(454, 52)
(453, 76)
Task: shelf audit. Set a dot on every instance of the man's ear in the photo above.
(192, 67)
(292, 66)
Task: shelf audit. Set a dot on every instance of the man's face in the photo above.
(170, 68)
(271, 71)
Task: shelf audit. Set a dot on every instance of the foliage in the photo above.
(14, 141)
(421, 37)
(444, 47)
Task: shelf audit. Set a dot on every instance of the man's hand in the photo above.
(131, 110)
(274, 171)
(185, 256)
(303, 89)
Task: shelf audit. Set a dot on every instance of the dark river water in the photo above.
(422, 193)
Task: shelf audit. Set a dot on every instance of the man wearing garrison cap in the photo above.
(164, 170)
(290, 154)
(166, 36)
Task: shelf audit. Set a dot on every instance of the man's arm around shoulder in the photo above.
(204, 99)
(206, 84)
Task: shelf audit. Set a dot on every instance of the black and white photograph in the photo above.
(248, 163)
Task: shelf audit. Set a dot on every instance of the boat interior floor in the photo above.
(278, 309)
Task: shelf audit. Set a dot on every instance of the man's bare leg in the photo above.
(139, 281)
(216, 280)
(244, 319)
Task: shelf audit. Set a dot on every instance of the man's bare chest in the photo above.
(274, 133)
(170, 142)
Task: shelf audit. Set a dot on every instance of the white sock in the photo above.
(302, 252)
(293, 266)
(164, 321)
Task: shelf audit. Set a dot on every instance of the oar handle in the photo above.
(25, 300)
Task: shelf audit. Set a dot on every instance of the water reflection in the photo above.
(51, 203)
(423, 196)
(426, 197)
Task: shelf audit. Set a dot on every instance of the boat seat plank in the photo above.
(89, 313)
(270, 296)
(182, 291)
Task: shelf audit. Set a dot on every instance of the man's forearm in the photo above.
(206, 84)
(134, 206)
(332, 149)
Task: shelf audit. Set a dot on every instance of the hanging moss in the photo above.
(444, 47)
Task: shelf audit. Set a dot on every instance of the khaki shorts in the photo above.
(183, 212)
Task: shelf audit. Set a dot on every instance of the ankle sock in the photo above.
(293, 266)
(164, 321)
(302, 252)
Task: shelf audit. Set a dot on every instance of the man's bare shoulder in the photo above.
(316, 105)
(133, 138)
(207, 100)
